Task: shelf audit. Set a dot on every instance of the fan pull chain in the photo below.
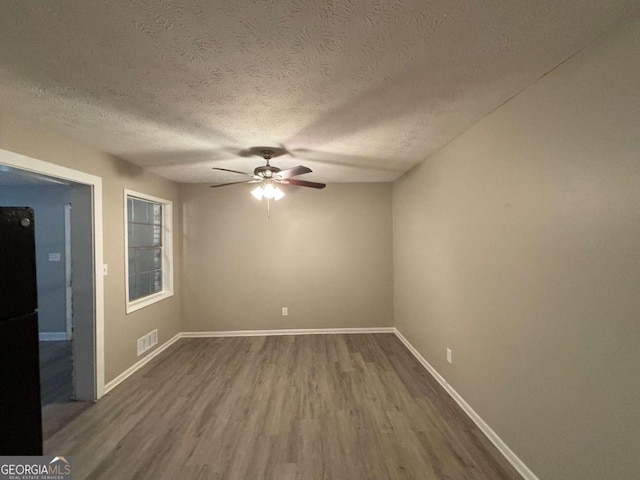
(268, 208)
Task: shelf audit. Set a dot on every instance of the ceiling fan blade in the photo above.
(257, 178)
(293, 172)
(233, 171)
(232, 183)
(303, 183)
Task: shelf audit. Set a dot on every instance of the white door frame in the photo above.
(38, 166)
(67, 271)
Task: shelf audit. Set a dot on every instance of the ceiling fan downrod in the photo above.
(267, 155)
(266, 171)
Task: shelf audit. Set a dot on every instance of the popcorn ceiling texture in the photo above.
(356, 90)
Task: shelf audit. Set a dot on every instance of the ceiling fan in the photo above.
(269, 177)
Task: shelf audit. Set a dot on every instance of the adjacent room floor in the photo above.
(283, 407)
(56, 387)
(56, 370)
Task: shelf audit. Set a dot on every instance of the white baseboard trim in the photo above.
(52, 336)
(502, 447)
(141, 363)
(294, 331)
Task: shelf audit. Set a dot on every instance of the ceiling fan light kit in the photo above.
(268, 177)
(269, 191)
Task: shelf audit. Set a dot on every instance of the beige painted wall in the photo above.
(518, 246)
(121, 331)
(326, 255)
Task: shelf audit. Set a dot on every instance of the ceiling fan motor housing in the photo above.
(266, 171)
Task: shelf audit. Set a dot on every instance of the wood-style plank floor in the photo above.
(309, 407)
(56, 370)
(56, 387)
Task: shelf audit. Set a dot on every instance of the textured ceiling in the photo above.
(357, 90)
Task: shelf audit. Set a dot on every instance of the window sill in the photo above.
(149, 300)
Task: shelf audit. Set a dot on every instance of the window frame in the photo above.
(167, 252)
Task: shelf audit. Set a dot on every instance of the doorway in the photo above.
(70, 292)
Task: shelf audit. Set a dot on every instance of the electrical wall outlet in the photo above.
(285, 311)
(148, 341)
(449, 355)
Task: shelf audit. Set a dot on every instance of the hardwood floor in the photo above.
(306, 407)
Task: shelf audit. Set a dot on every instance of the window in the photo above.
(148, 244)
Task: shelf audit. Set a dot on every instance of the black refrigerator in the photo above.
(20, 409)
